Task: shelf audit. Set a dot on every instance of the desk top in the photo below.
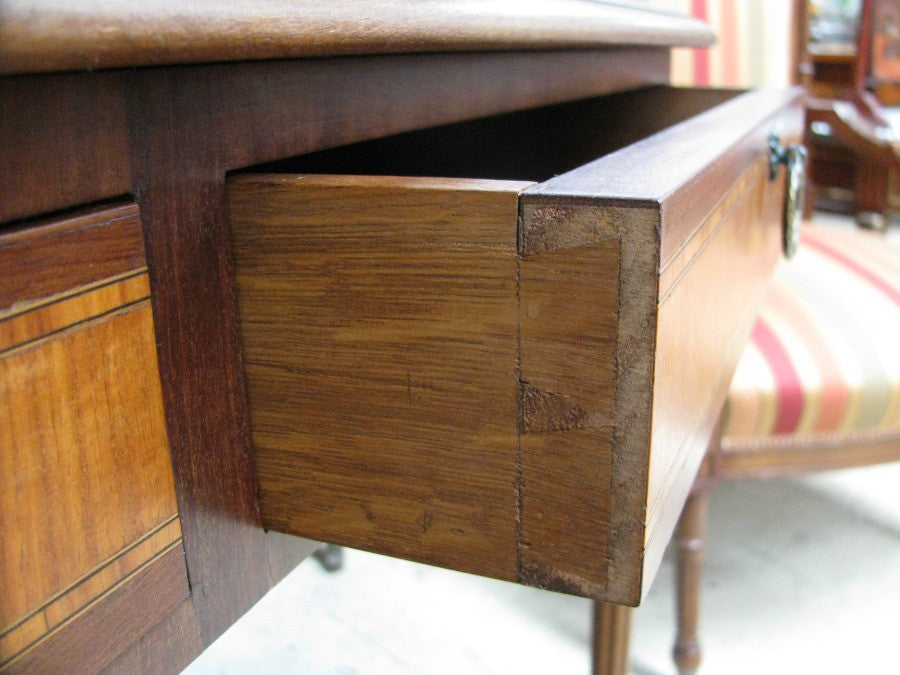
(59, 35)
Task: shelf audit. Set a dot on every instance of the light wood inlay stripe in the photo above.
(159, 580)
(681, 261)
(84, 462)
(738, 212)
(84, 592)
(30, 325)
(56, 257)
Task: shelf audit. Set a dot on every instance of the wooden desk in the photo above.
(142, 513)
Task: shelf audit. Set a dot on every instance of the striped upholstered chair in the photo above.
(817, 388)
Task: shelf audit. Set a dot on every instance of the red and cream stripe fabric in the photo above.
(753, 46)
(824, 356)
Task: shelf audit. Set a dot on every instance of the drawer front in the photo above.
(90, 539)
(696, 223)
(507, 378)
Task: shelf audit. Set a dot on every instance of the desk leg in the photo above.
(690, 540)
(612, 632)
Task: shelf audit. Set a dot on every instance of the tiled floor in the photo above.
(802, 576)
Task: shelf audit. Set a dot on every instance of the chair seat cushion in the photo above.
(824, 356)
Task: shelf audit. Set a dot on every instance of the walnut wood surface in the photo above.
(611, 639)
(51, 257)
(64, 143)
(185, 128)
(116, 620)
(86, 489)
(616, 390)
(53, 35)
(379, 331)
(687, 168)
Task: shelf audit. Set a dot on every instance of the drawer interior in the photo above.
(532, 145)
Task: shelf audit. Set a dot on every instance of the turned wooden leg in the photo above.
(690, 540)
(872, 196)
(612, 631)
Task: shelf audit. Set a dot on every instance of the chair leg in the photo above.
(872, 196)
(612, 632)
(690, 540)
(330, 557)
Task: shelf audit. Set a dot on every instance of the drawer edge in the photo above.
(684, 168)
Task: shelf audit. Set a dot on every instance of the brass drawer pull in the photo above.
(794, 158)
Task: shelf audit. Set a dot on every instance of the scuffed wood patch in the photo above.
(540, 575)
(547, 411)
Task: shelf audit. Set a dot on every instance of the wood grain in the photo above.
(686, 168)
(52, 35)
(86, 467)
(80, 150)
(792, 455)
(611, 639)
(673, 340)
(607, 520)
(167, 647)
(379, 329)
(567, 322)
(187, 127)
(96, 582)
(534, 144)
(104, 629)
(623, 358)
(46, 321)
(546, 409)
(740, 241)
(47, 258)
(258, 112)
(178, 174)
(86, 489)
(64, 142)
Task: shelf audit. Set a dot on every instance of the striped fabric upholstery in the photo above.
(753, 46)
(824, 357)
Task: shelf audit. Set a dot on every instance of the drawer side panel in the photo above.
(378, 321)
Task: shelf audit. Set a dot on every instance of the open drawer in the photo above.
(515, 379)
